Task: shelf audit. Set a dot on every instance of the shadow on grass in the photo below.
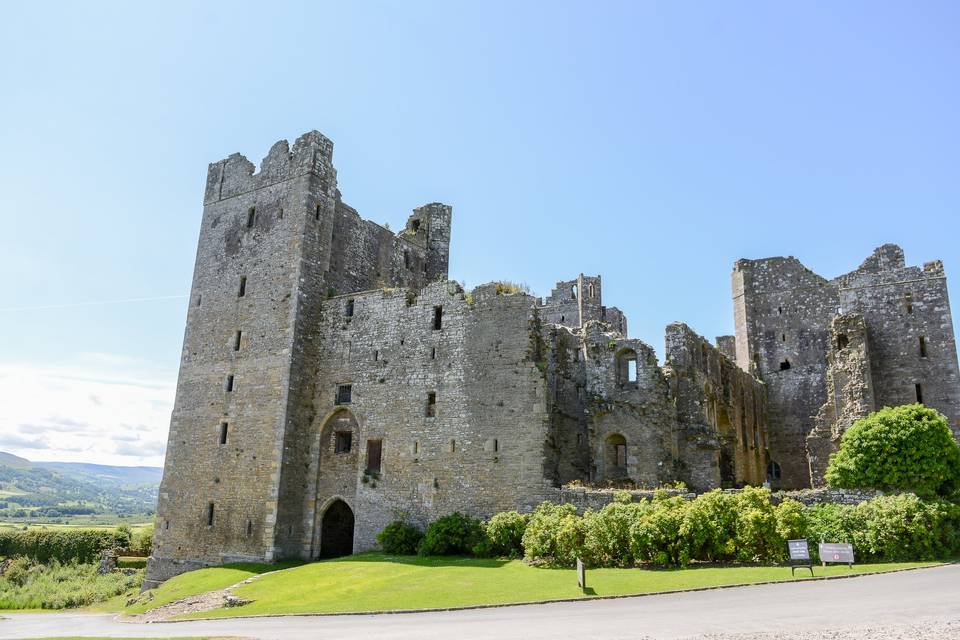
(421, 561)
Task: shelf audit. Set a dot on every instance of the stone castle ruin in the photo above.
(333, 379)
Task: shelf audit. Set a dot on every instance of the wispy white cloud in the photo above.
(101, 408)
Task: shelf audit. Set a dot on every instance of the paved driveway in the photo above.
(890, 599)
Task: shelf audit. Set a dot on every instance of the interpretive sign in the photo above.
(798, 549)
(841, 552)
(799, 556)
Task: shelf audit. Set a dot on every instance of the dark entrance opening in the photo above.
(727, 475)
(336, 531)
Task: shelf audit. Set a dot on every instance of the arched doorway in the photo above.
(615, 457)
(336, 531)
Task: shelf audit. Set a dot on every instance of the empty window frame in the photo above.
(573, 292)
(236, 340)
(842, 341)
(431, 404)
(243, 287)
(415, 225)
(908, 302)
(433, 353)
(343, 442)
(251, 217)
(438, 318)
(224, 428)
(784, 365)
(316, 213)
(627, 367)
(348, 308)
(228, 384)
(919, 391)
(344, 394)
(250, 522)
(406, 259)
(374, 454)
(210, 511)
(923, 347)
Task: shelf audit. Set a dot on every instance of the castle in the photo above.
(333, 380)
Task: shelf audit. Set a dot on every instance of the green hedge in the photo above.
(717, 526)
(63, 545)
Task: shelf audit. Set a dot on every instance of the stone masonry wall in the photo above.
(721, 431)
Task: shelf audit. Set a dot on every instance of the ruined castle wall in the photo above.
(721, 414)
(782, 312)
(568, 450)
(627, 409)
(850, 393)
(901, 305)
(481, 451)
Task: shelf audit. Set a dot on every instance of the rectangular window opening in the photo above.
(919, 390)
(431, 404)
(376, 355)
(229, 383)
(199, 299)
(437, 318)
(344, 442)
(908, 302)
(923, 347)
(210, 514)
(348, 310)
(406, 259)
(316, 213)
(433, 353)
(842, 341)
(631, 370)
(236, 340)
(251, 217)
(243, 287)
(344, 394)
(224, 427)
(374, 450)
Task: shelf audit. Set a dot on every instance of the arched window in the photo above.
(773, 470)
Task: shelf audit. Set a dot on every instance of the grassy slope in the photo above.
(201, 581)
(376, 582)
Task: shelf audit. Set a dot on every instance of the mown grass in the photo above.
(378, 582)
(201, 581)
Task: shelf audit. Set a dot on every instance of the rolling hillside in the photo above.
(64, 491)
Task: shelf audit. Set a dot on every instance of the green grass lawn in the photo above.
(203, 580)
(378, 582)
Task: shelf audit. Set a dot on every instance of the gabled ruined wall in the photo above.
(721, 432)
(484, 449)
(899, 305)
(568, 447)
(849, 391)
(635, 413)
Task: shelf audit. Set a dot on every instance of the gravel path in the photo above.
(928, 630)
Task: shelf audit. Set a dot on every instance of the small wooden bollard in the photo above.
(581, 575)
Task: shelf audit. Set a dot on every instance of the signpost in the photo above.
(581, 575)
(841, 552)
(799, 555)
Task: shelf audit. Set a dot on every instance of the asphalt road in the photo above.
(891, 599)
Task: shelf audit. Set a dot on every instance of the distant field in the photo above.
(77, 523)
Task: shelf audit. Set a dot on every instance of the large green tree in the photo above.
(907, 448)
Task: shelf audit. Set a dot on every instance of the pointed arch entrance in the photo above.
(336, 530)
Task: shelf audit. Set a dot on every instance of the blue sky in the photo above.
(651, 142)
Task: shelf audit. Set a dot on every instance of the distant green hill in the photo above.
(66, 491)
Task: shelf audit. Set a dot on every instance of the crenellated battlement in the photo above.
(235, 175)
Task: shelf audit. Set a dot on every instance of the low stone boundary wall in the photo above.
(828, 496)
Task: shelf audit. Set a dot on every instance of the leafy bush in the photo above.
(28, 584)
(505, 533)
(658, 537)
(757, 537)
(540, 537)
(607, 537)
(63, 545)
(908, 448)
(791, 521)
(142, 543)
(400, 538)
(710, 526)
(454, 534)
(903, 527)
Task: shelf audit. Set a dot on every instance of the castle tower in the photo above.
(274, 244)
